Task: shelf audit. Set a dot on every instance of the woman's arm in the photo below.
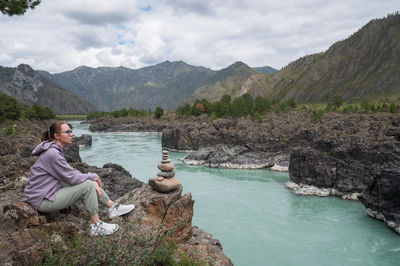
(61, 170)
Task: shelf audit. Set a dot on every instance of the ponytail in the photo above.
(48, 134)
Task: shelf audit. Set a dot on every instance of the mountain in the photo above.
(230, 80)
(28, 87)
(364, 66)
(165, 84)
(266, 69)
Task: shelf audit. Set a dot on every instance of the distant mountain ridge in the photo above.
(166, 84)
(28, 87)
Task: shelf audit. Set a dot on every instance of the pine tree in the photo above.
(17, 7)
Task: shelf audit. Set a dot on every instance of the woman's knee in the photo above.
(88, 183)
(87, 187)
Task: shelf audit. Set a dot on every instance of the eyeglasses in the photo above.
(67, 131)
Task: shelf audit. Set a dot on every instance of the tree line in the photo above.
(337, 105)
(241, 106)
(126, 112)
(10, 109)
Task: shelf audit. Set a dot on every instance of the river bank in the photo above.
(356, 154)
(30, 237)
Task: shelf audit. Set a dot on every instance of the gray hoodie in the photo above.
(49, 172)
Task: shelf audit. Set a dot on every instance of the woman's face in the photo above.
(64, 136)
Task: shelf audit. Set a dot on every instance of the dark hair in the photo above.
(48, 134)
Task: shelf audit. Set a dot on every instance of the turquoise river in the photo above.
(257, 220)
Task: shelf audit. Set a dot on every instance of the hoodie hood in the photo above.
(44, 146)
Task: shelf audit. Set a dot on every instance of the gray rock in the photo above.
(382, 198)
(166, 174)
(83, 140)
(71, 153)
(165, 185)
(116, 180)
(225, 156)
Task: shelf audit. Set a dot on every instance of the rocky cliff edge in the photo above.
(160, 227)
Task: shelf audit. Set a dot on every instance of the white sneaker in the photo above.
(102, 228)
(119, 209)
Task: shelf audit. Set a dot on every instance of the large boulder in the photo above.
(315, 168)
(116, 180)
(71, 153)
(382, 198)
(172, 210)
(23, 214)
(83, 140)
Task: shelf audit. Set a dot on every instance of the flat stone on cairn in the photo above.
(165, 181)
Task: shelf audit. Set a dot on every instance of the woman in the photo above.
(54, 185)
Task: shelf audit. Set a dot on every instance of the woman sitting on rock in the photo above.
(54, 185)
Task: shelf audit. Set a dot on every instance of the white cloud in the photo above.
(61, 35)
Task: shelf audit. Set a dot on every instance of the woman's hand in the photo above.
(98, 181)
(98, 189)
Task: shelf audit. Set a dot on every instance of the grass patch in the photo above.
(131, 245)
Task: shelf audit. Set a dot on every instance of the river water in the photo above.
(257, 220)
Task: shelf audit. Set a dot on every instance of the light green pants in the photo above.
(70, 194)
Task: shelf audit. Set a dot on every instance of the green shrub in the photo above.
(316, 115)
(158, 112)
(392, 108)
(183, 110)
(349, 109)
(190, 260)
(257, 117)
(278, 108)
(9, 131)
(329, 107)
(213, 116)
(9, 108)
(292, 103)
(366, 106)
(337, 101)
(162, 255)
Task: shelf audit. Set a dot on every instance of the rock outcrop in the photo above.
(354, 157)
(240, 144)
(382, 198)
(236, 157)
(83, 140)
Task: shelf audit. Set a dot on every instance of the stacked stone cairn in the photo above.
(165, 181)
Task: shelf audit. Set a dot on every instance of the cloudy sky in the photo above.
(60, 35)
